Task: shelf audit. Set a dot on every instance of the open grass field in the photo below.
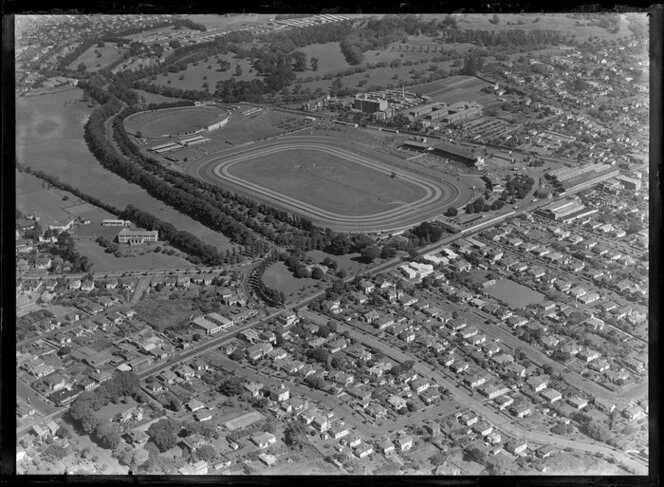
(103, 262)
(245, 420)
(330, 58)
(327, 180)
(49, 137)
(33, 198)
(335, 186)
(277, 276)
(194, 77)
(163, 313)
(173, 121)
(457, 88)
(560, 22)
(514, 294)
(108, 54)
(148, 97)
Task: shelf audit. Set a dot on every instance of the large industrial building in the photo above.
(577, 178)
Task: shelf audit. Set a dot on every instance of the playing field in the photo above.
(514, 294)
(172, 121)
(321, 177)
(335, 186)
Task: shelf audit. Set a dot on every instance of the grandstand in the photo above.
(159, 149)
(197, 139)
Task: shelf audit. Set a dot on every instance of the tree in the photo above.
(295, 434)
(238, 70)
(175, 44)
(301, 271)
(163, 434)
(314, 64)
(81, 68)
(451, 211)
(370, 253)
(205, 452)
(474, 454)
(317, 273)
(108, 435)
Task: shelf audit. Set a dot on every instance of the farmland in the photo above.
(33, 198)
(107, 55)
(49, 137)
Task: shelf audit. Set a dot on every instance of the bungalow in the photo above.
(363, 450)
(633, 413)
(371, 316)
(404, 443)
(376, 411)
(469, 419)
(600, 365)
(538, 384)
(516, 321)
(263, 439)
(550, 341)
(386, 446)
(475, 380)
(420, 385)
(408, 300)
(397, 402)
(482, 428)
(545, 451)
(339, 431)
(516, 447)
(194, 405)
(384, 322)
(503, 402)
(521, 411)
(577, 402)
(366, 286)
(588, 355)
(604, 405)
(551, 395)
(494, 391)
(204, 415)
(430, 395)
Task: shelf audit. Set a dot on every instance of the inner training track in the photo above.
(438, 194)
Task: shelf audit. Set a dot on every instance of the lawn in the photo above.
(330, 59)
(164, 313)
(33, 198)
(103, 262)
(560, 22)
(514, 294)
(193, 76)
(108, 54)
(172, 121)
(59, 149)
(154, 98)
(241, 129)
(327, 181)
(277, 276)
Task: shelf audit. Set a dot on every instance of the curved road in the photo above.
(438, 195)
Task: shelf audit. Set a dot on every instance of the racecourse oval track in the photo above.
(437, 194)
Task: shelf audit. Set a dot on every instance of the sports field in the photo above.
(335, 186)
(326, 178)
(173, 121)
